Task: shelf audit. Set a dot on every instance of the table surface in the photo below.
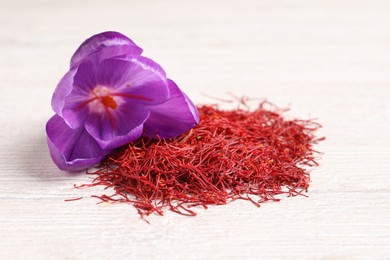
(325, 59)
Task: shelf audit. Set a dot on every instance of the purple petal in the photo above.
(140, 77)
(72, 149)
(172, 118)
(112, 52)
(101, 41)
(85, 78)
(191, 106)
(117, 126)
(75, 110)
(74, 87)
(63, 89)
(147, 64)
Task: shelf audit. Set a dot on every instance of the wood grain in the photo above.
(326, 59)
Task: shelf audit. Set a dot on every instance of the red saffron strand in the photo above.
(232, 154)
(79, 198)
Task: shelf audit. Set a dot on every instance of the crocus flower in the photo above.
(110, 97)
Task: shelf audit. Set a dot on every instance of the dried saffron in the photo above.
(79, 198)
(230, 155)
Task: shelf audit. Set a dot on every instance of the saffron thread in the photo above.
(232, 154)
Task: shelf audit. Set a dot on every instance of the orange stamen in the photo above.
(108, 101)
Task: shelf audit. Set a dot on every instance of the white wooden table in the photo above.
(328, 59)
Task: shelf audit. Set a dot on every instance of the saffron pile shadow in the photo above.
(232, 154)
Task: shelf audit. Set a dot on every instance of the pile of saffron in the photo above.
(232, 154)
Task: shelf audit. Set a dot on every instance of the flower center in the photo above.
(109, 101)
(102, 100)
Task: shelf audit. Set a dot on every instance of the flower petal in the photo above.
(138, 77)
(147, 64)
(85, 78)
(76, 85)
(117, 126)
(111, 52)
(100, 41)
(63, 89)
(172, 118)
(72, 149)
(75, 110)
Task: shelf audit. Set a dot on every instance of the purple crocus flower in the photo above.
(110, 97)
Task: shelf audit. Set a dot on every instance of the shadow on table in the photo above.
(35, 157)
